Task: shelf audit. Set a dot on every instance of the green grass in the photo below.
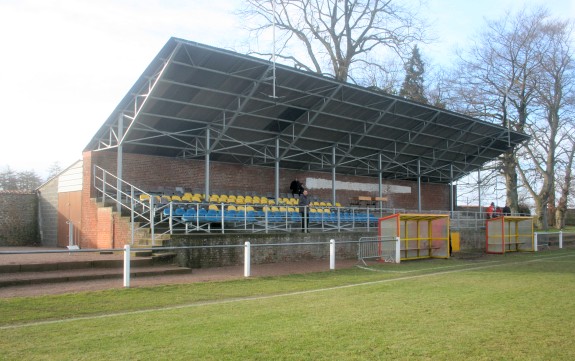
(503, 307)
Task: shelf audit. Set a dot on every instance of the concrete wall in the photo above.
(229, 250)
(18, 219)
(48, 216)
(233, 255)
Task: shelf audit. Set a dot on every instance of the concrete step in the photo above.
(74, 265)
(84, 274)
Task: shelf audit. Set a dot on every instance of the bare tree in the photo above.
(553, 126)
(54, 170)
(337, 37)
(19, 181)
(499, 81)
(564, 185)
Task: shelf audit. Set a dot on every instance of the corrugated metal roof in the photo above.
(190, 88)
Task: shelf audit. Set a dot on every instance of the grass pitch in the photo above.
(500, 307)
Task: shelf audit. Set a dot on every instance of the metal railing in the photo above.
(178, 217)
(126, 197)
(546, 240)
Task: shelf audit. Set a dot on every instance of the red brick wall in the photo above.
(150, 172)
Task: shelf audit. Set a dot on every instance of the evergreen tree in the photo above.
(412, 87)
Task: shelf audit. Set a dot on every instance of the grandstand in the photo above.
(199, 145)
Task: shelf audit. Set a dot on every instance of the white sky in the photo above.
(66, 64)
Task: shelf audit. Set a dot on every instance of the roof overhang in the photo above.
(194, 100)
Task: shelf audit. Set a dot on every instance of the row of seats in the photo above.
(237, 215)
(249, 214)
(224, 198)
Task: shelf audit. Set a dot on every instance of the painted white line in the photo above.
(421, 269)
(259, 298)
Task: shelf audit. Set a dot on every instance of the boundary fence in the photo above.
(545, 240)
(247, 247)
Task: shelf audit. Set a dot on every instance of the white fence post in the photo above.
(332, 254)
(127, 266)
(397, 250)
(535, 241)
(247, 259)
(560, 239)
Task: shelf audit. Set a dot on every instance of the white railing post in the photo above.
(127, 266)
(170, 220)
(535, 242)
(397, 250)
(560, 239)
(332, 254)
(247, 259)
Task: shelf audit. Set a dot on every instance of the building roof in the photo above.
(308, 121)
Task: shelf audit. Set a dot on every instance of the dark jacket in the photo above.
(303, 202)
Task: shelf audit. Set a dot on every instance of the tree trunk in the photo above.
(510, 174)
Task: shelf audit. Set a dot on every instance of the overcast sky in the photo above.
(66, 64)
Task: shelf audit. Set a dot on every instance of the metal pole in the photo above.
(419, 185)
(535, 241)
(397, 250)
(379, 183)
(479, 191)
(451, 192)
(132, 204)
(277, 171)
(560, 239)
(333, 190)
(207, 165)
(119, 163)
(247, 259)
(332, 254)
(127, 266)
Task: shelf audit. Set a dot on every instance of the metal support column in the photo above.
(333, 190)
(419, 185)
(451, 192)
(207, 165)
(277, 171)
(479, 191)
(119, 164)
(380, 182)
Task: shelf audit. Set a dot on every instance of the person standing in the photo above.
(304, 211)
(490, 210)
(295, 187)
(506, 210)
